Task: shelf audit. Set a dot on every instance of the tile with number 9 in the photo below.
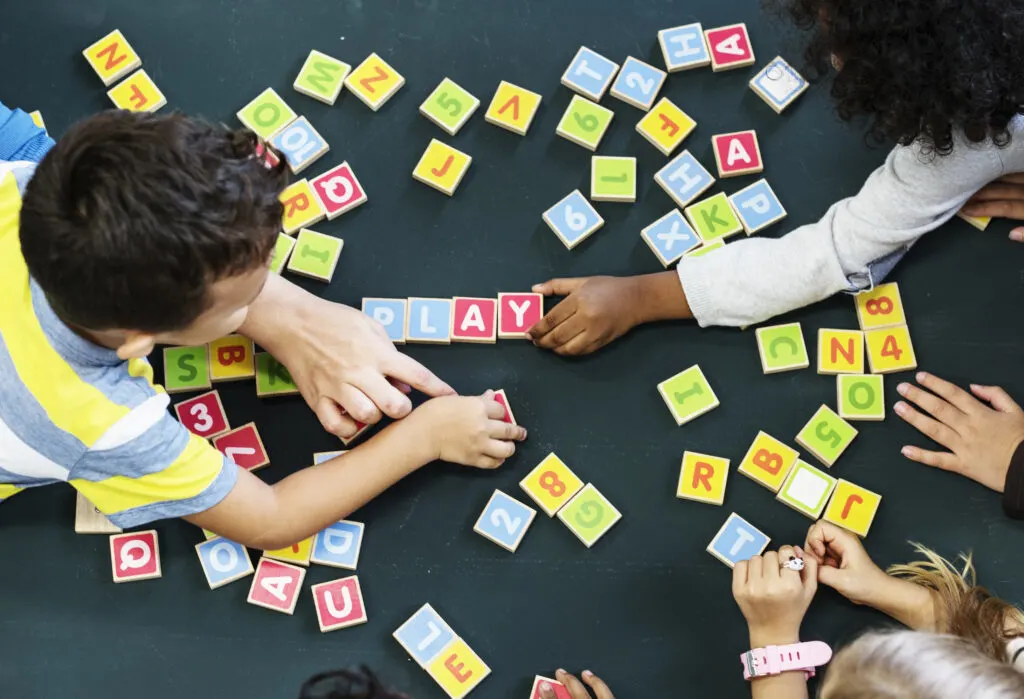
(551, 484)
(573, 219)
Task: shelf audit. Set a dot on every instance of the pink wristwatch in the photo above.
(771, 660)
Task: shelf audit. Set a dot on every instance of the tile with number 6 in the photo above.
(590, 74)
(449, 106)
(203, 415)
(573, 219)
(589, 515)
(339, 604)
(551, 484)
(584, 123)
(504, 521)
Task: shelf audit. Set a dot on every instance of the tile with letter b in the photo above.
(670, 237)
(807, 489)
(737, 153)
(266, 114)
(374, 82)
(713, 218)
(321, 77)
(504, 521)
(302, 207)
(589, 515)
(573, 219)
(424, 635)
(778, 84)
(513, 108)
(232, 358)
(852, 507)
(300, 144)
(135, 556)
(339, 544)
(449, 106)
(276, 586)
(458, 669)
(881, 307)
(768, 461)
(638, 83)
(730, 47)
(840, 351)
(826, 435)
(737, 540)
(612, 178)
(282, 251)
(590, 74)
(782, 348)
(429, 321)
(703, 478)
(223, 561)
(757, 207)
(890, 350)
(186, 368)
(666, 126)
(315, 255)
(684, 47)
(584, 122)
(137, 93)
(339, 604)
(391, 314)
(688, 395)
(551, 484)
(442, 167)
(861, 396)
(684, 178)
(112, 57)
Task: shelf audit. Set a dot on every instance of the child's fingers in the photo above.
(1017, 235)
(577, 346)
(575, 687)
(997, 397)
(998, 191)
(810, 576)
(739, 578)
(814, 543)
(1001, 208)
(563, 333)
(934, 429)
(492, 408)
(772, 568)
(559, 287)
(487, 462)
(935, 406)
(498, 449)
(936, 459)
(755, 569)
(601, 690)
(950, 392)
(333, 418)
(497, 429)
(552, 319)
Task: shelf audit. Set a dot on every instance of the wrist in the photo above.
(660, 296)
(420, 432)
(773, 635)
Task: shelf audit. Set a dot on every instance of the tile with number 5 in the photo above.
(826, 435)
(203, 415)
(573, 219)
(590, 74)
(449, 106)
(504, 521)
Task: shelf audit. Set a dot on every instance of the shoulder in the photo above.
(20, 170)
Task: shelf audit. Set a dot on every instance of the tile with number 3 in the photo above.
(442, 167)
(504, 521)
(573, 219)
(203, 415)
(551, 484)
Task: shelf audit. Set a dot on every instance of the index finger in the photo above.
(553, 318)
(573, 685)
(402, 367)
(601, 690)
(951, 392)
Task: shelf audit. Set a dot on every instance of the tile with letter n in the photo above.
(778, 84)
(374, 82)
(688, 395)
(684, 178)
(424, 635)
(504, 521)
(589, 515)
(315, 255)
(840, 351)
(826, 435)
(684, 47)
(186, 368)
(638, 83)
(112, 57)
(449, 106)
(852, 507)
(670, 237)
(861, 396)
(272, 377)
(573, 219)
(807, 490)
(612, 178)
(137, 93)
(282, 251)
(738, 540)
(782, 348)
(300, 144)
(321, 77)
(713, 218)
(585, 122)
(757, 207)
(267, 114)
(590, 74)
(666, 126)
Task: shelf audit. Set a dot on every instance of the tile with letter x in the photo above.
(807, 489)
(590, 74)
(757, 207)
(778, 84)
(861, 396)
(688, 395)
(112, 57)
(203, 415)
(589, 515)
(551, 484)
(670, 237)
(584, 123)
(826, 435)
(316, 255)
(374, 82)
(573, 219)
(684, 178)
(504, 521)
(272, 377)
(424, 635)
(684, 47)
(638, 83)
(135, 556)
(267, 114)
(737, 540)
(782, 348)
(186, 368)
(321, 77)
(449, 106)
(702, 478)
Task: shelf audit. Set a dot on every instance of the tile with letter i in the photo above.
(267, 114)
(186, 368)
(135, 556)
(89, 519)
(684, 178)
(890, 350)
(137, 93)
(768, 461)
(517, 313)
(273, 377)
(840, 351)
(338, 545)
(316, 255)
(300, 144)
(738, 540)
(670, 237)
(223, 561)
(321, 456)
(232, 358)
(705, 248)
(584, 122)
(391, 314)
(282, 251)
(557, 688)
(504, 521)
(713, 218)
(339, 604)
(338, 190)
(782, 348)
(688, 395)
(665, 126)
(730, 47)
(501, 398)
(684, 47)
(442, 167)
(243, 446)
(852, 507)
(112, 57)
(881, 307)
(573, 219)
(807, 490)
(474, 320)
(424, 635)
(979, 222)
(778, 84)
(321, 77)
(638, 83)
(757, 207)
(703, 478)
(590, 74)
(551, 484)
(429, 321)
(458, 669)
(737, 153)
(301, 206)
(512, 108)
(37, 119)
(449, 106)
(203, 415)
(374, 82)
(861, 396)
(276, 585)
(612, 178)
(589, 515)
(826, 436)
(298, 553)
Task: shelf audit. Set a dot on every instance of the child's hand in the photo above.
(468, 430)
(1003, 198)
(575, 687)
(774, 599)
(596, 311)
(981, 440)
(843, 564)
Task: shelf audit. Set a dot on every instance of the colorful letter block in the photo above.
(137, 93)
(670, 237)
(339, 604)
(684, 47)
(688, 395)
(186, 368)
(585, 122)
(826, 435)
(703, 478)
(223, 561)
(501, 398)
(612, 178)
(424, 635)
(89, 519)
(737, 153)
(474, 320)
(338, 190)
(782, 348)
(589, 515)
(338, 545)
(778, 84)
(203, 415)
(321, 77)
(840, 351)
(321, 456)
(267, 114)
(301, 206)
(737, 540)
(517, 313)
(112, 57)
(666, 126)
(442, 167)
(232, 358)
(551, 484)
(361, 428)
(807, 489)
(590, 74)
(861, 396)
(300, 144)
(757, 207)
(458, 670)
(298, 553)
(890, 350)
(979, 222)
(243, 446)
(852, 507)
(276, 585)
(557, 687)
(705, 248)
(713, 218)
(135, 556)
(316, 255)
(273, 377)
(730, 47)
(504, 521)
(374, 82)
(391, 314)
(513, 108)
(37, 119)
(638, 83)
(449, 106)
(282, 251)
(573, 219)
(881, 307)
(768, 461)
(684, 178)
(429, 321)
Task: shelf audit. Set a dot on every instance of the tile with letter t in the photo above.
(590, 74)
(703, 478)
(338, 190)
(282, 251)
(757, 207)
(391, 314)
(517, 313)
(638, 83)
(589, 515)
(301, 206)
(449, 106)
(881, 307)
(768, 461)
(273, 377)
(112, 57)
(670, 237)
(504, 521)
(684, 47)
(232, 358)
(688, 395)
(203, 415)
(339, 545)
(300, 144)
(782, 348)
(852, 507)
(713, 218)
(442, 167)
(429, 321)
(458, 669)
(276, 585)
(684, 178)
(840, 351)
(890, 350)
(861, 396)
(243, 446)
(551, 484)
(321, 77)
(223, 561)
(339, 604)
(573, 219)
(316, 255)
(778, 84)
(266, 114)
(186, 368)
(135, 556)
(584, 123)
(807, 490)
(729, 47)
(424, 635)
(513, 108)
(737, 153)
(374, 82)
(826, 435)
(738, 540)
(612, 178)
(666, 126)
(474, 320)
(137, 93)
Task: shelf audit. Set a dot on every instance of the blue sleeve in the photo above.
(20, 138)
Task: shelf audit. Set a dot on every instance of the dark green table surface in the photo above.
(647, 608)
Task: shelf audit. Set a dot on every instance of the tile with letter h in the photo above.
(223, 561)
(684, 47)
(670, 237)
(590, 74)
(391, 314)
(738, 540)
(339, 545)
(551, 484)
(757, 207)
(135, 556)
(684, 178)
(504, 521)
(339, 604)
(573, 219)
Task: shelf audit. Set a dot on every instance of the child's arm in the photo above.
(20, 138)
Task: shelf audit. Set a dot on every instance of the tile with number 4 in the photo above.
(713, 218)
(703, 478)
(737, 153)
(890, 350)
(474, 320)
(243, 446)
(449, 106)
(338, 190)
(738, 540)
(300, 144)
(584, 122)
(424, 635)
(339, 545)
(688, 395)
(276, 585)
(442, 167)
(391, 314)
(374, 82)
(517, 313)
(612, 178)
(502, 399)
(339, 604)
(186, 368)
(589, 515)
(504, 521)
(826, 435)
(573, 219)
(551, 484)
(513, 108)
(232, 358)
(807, 490)
(557, 687)
(429, 321)
(135, 556)
(223, 561)
(684, 47)
(730, 47)
(666, 126)
(638, 83)
(768, 461)
(670, 237)
(684, 178)
(273, 377)
(757, 207)
(778, 84)
(112, 57)
(137, 93)
(458, 669)
(267, 114)
(590, 74)
(852, 507)
(203, 415)
(321, 77)
(861, 396)
(282, 251)
(881, 307)
(840, 351)
(782, 348)
(301, 206)
(316, 255)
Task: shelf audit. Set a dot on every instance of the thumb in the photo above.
(995, 395)
(810, 576)
(831, 577)
(559, 287)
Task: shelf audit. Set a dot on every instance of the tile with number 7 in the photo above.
(316, 255)
(738, 540)
(890, 350)
(670, 237)
(504, 521)
(573, 219)
(589, 515)
(590, 74)
(852, 507)
(881, 307)
(338, 190)
(243, 446)
(442, 167)
(203, 415)
(826, 436)
(374, 82)
(684, 48)
(449, 106)
(513, 108)
(585, 123)
(666, 126)
(135, 556)
(551, 484)
(688, 395)
(276, 586)
(339, 604)
(702, 478)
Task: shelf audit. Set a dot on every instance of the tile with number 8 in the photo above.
(449, 106)
(585, 123)
(881, 307)
(504, 521)
(589, 515)
(551, 484)
(573, 219)
(688, 395)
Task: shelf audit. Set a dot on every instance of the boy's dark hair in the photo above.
(131, 217)
(921, 69)
(358, 683)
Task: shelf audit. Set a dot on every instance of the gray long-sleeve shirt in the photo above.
(854, 245)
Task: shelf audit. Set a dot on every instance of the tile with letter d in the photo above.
(374, 82)
(782, 348)
(757, 207)
(778, 84)
(449, 106)
(321, 77)
(424, 635)
(861, 396)
(684, 47)
(338, 190)
(826, 435)
(737, 540)
(504, 521)
(881, 307)
(232, 358)
(684, 178)
(112, 57)
(186, 368)
(688, 395)
(670, 237)
(316, 255)
(589, 515)
(703, 478)
(391, 314)
(137, 93)
(890, 350)
(429, 321)
(807, 489)
(266, 114)
(458, 669)
(666, 126)
(730, 47)
(590, 74)
(276, 586)
(584, 123)
(339, 604)
(300, 144)
(768, 461)
(135, 556)
(573, 219)
(223, 561)
(338, 545)
(852, 507)
(638, 83)
(551, 484)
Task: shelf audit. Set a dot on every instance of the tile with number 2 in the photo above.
(504, 521)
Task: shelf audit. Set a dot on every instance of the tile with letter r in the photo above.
(666, 126)
(316, 255)
(374, 82)
(551, 484)
(301, 206)
(339, 604)
(807, 490)
(670, 237)
(186, 368)
(684, 178)
(321, 77)
(513, 108)
(638, 83)
(737, 153)
(589, 515)
(449, 106)
(273, 377)
(424, 635)
(282, 251)
(703, 478)
(203, 415)
(840, 351)
(684, 47)
(137, 93)
(778, 84)
(861, 396)
(738, 540)
(612, 178)
(688, 395)
(768, 461)
(881, 307)
(713, 218)
(232, 358)
(300, 144)
(584, 123)
(590, 74)
(135, 556)
(826, 435)
(391, 314)
(442, 167)
(338, 545)
(852, 507)
(429, 321)
(338, 190)
(729, 47)
(890, 350)
(267, 114)
(782, 348)
(573, 219)
(223, 561)
(504, 521)
(458, 669)
(757, 207)
(112, 57)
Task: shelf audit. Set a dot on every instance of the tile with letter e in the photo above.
(688, 395)
(737, 153)
(684, 47)
(573, 219)
(273, 377)
(338, 190)
(826, 435)
(852, 507)
(782, 348)
(374, 82)
(137, 93)
(316, 255)
(612, 178)
(890, 350)
(590, 74)
(135, 556)
(203, 415)
(666, 126)
(513, 108)
(768, 461)
(504, 521)
(638, 83)
(276, 585)
(757, 207)
(298, 553)
(300, 144)
(670, 237)
(282, 251)
(391, 314)
(429, 321)
(517, 313)
(243, 446)
(584, 122)
(684, 178)
(232, 358)
(551, 484)
(186, 368)
(713, 218)
(267, 114)
(738, 540)
(730, 47)
(321, 77)
(442, 167)
(338, 545)
(112, 57)
(458, 669)
(424, 635)
(223, 561)
(840, 351)
(449, 106)
(881, 307)
(589, 515)
(301, 206)
(861, 396)
(703, 478)
(778, 84)
(807, 489)
(474, 320)
(339, 604)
